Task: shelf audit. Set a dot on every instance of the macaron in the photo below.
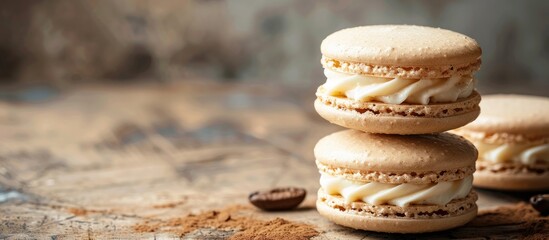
(512, 138)
(399, 79)
(396, 183)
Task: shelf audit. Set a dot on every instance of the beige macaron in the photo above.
(396, 183)
(512, 137)
(399, 79)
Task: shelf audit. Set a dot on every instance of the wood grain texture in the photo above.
(93, 161)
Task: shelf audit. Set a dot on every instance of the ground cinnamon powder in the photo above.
(519, 220)
(228, 222)
(505, 215)
(522, 216)
(83, 211)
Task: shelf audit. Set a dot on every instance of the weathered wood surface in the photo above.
(93, 161)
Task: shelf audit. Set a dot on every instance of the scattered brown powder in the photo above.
(231, 218)
(146, 227)
(83, 212)
(526, 219)
(276, 229)
(78, 211)
(505, 215)
(170, 205)
(235, 222)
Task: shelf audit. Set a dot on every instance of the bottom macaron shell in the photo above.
(373, 123)
(511, 181)
(394, 225)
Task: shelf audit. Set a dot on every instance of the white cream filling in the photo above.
(397, 90)
(396, 194)
(526, 154)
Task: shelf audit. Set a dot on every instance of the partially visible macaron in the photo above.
(399, 79)
(512, 137)
(396, 183)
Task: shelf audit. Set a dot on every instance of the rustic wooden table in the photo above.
(91, 162)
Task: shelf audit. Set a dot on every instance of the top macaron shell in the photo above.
(395, 153)
(397, 54)
(401, 45)
(525, 117)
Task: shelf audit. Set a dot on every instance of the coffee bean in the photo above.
(541, 203)
(278, 198)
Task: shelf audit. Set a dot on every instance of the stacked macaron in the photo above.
(399, 79)
(387, 83)
(396, 183)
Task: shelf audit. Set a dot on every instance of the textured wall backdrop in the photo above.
(65, 41)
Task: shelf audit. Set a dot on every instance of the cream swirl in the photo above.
(397, 90)
(527, 154)
(376, 193)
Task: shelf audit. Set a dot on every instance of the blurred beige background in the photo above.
(66, 41)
